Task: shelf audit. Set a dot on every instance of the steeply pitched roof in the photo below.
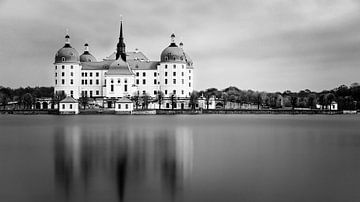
(143, 65)
(119, 67)
(103, 65)
(129, 56)
(68, 99)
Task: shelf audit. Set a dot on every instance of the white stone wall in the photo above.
(69, 108)
(118, 82)
(175, 78)
(92, 82)
(67, 78)
(147, 81)
(124, 107)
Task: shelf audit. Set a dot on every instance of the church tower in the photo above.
(120, 48)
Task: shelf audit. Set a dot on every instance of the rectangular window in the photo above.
(165, 73)
(72, 93)
(85, 82)
(91, 93)
(174, 73)
(62, 81)
(71, 73)
(125, 88)
(63, 106)
(119, 106)
(112, 88)
(165, 81)
(90, 74)
(82, 81)
(189, 77)
(182, 73)
(82, 74)
(71, 81)
(70, 106)
(182, 81)
(97, 74)
(144, 81)
(174, 92)
(155, 92)
(55, 74)
(56, 67)
(62, 73)
(55, 82)
(189, 84)
(155, 82)
(144, 74)
(126, 106)
(174, 81)
(137, 73)
(154, 74)
(97, 92)
(137, 81)
(165, 92)
(85, 74)
(97, 81)
(189, 71)
(182, 92)
(174, 66)
(90, 82)
(63, 67)
(183, 66)
(165, 66)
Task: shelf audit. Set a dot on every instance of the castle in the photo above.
(124, 75)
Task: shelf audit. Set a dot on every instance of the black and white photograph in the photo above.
(179, 101)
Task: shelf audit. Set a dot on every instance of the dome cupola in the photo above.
(172, 53)
(87, 56)
(67, 54)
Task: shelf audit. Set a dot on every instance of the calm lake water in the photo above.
(179, 158)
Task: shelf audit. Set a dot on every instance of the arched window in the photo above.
(111, 81)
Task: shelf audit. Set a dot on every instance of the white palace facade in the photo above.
(124, 74)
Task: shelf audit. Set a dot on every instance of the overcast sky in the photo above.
(271, 45)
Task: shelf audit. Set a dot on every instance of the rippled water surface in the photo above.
(179, 158)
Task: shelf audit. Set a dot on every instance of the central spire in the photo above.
(120, 48)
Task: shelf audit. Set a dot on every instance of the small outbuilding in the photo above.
(69, 106)
(124, 105)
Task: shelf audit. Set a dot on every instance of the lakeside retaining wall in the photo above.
(178, 111)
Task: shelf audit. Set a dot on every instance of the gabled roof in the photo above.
(143, 65)
(136, 55)
(124, 100)
(119, 67)
(68, 99)
(103, 65)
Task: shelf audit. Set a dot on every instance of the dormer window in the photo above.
(63, 59)
(166, 58)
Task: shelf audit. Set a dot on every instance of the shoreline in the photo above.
(186, 112)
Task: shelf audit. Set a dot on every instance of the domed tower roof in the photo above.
(87, 56)
(172, 53)
(67, 54)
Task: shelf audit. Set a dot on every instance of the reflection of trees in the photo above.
(120, 160)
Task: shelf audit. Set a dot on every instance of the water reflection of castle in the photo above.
(108, 164)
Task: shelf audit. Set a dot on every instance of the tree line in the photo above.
(347, 97)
